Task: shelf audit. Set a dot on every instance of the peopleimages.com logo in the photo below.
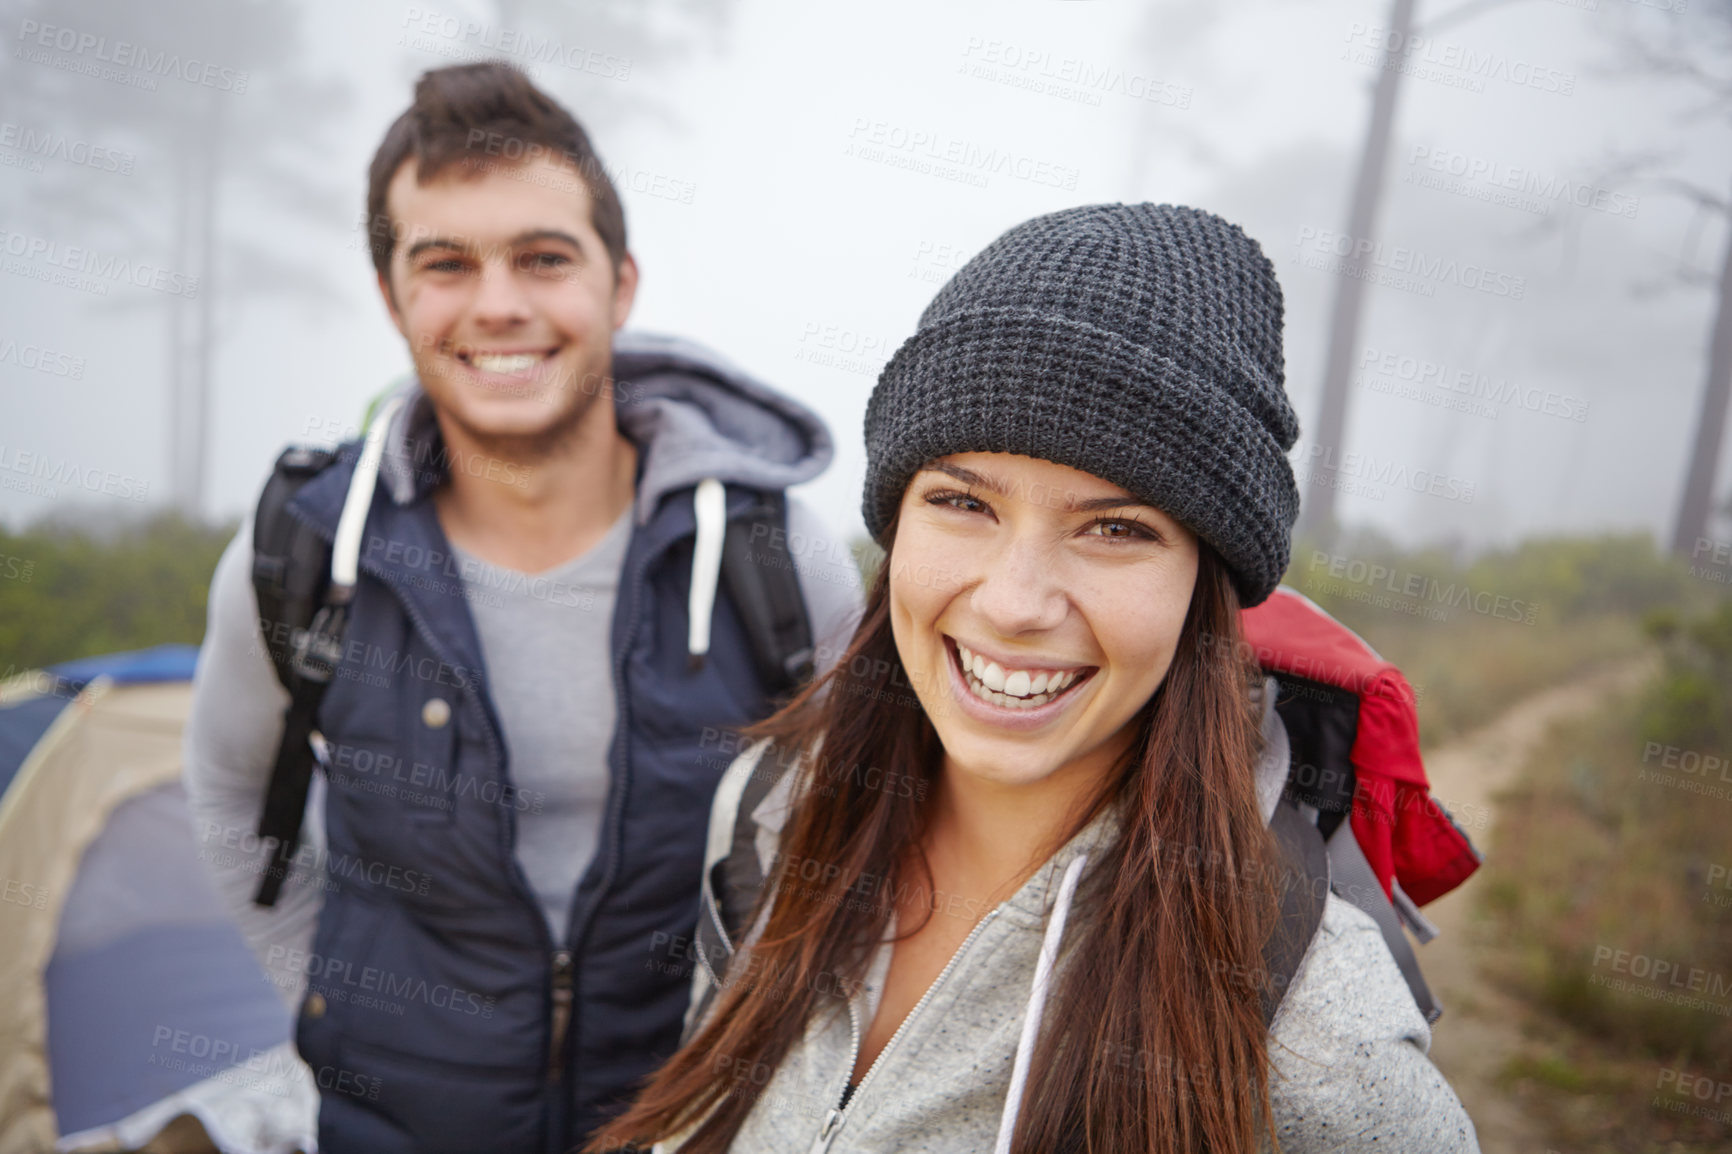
(1409, 268)
(92, 270)
(89, 47)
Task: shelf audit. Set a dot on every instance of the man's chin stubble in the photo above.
(543, 444)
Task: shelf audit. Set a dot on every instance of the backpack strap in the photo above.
(733, 873)
(1355, 882)
(1303, 895)
(732, 882)
(759, 572)
(291, 574)
(1322, 724)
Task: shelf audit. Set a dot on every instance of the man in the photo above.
(485, 932)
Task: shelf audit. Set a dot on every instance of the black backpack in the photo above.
(302, 626)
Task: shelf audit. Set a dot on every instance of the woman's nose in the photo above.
(1019, 591)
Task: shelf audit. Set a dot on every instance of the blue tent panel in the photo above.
(161, 663)
(21, 727)
(152, 1013)
(151, 987)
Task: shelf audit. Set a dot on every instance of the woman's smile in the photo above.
(1022, 695)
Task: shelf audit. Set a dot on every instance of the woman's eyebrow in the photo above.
(993, 485)
(1094, 504)
(969, 477)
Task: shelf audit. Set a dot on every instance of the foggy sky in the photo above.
(759, 234)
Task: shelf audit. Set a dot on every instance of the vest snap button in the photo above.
(315, 1007)
(436, 712)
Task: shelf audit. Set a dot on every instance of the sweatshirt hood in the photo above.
(693, 415)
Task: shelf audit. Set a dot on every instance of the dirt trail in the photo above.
(1481, 1027)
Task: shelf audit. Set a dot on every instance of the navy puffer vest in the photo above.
(444, 1014)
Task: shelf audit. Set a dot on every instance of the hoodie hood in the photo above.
(692, 414)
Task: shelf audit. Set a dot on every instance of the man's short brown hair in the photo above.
(483, 116)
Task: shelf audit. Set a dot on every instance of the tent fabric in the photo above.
(138, 667)
(113, 944)
(100, 750)
(30, 701)
(266, 1104)
(194, 1000)
(23, 721)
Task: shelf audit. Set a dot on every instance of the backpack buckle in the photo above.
(316, 651)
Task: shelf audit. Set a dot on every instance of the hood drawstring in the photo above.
(1037, 1002)
(346, 548)
(709, 503)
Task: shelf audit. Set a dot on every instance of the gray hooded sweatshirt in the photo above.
(1348, 1045)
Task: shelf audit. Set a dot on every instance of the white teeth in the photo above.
(1016, 689)
(514, 363)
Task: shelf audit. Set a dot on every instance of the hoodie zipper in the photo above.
(839, 1113)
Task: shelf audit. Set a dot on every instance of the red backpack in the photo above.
(1353, 726)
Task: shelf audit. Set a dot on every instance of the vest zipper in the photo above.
(839, 1114)
(508, 825)
(560, 1014)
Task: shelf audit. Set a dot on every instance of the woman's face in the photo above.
(1036, 609)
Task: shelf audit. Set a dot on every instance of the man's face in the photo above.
(506, 295)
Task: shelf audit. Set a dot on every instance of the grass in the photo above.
(1608, 895)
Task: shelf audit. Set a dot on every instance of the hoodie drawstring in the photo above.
(346, 549)
(709, 503)
(1037, 1003)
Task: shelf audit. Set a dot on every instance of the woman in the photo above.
(1076, 467)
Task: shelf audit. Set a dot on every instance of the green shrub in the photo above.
(69, 591)
(1473, 635)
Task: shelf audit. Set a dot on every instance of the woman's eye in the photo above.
(1119, 529)
(967, 502)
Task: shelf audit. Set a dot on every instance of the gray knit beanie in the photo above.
(1140, 343)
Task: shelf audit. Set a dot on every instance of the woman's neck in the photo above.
(989, 837)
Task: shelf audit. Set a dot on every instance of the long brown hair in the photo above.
(1156, 1039)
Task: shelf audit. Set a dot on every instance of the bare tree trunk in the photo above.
(180, 494)
(209, 200)
(1693, 510)
(1318, 504)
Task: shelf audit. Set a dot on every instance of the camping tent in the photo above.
(131, 1002)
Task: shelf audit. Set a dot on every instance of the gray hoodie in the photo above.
(1348, 1045)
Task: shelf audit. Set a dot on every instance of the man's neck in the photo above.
(533, 507)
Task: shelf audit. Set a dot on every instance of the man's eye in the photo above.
(449, 264)
(543, 261)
